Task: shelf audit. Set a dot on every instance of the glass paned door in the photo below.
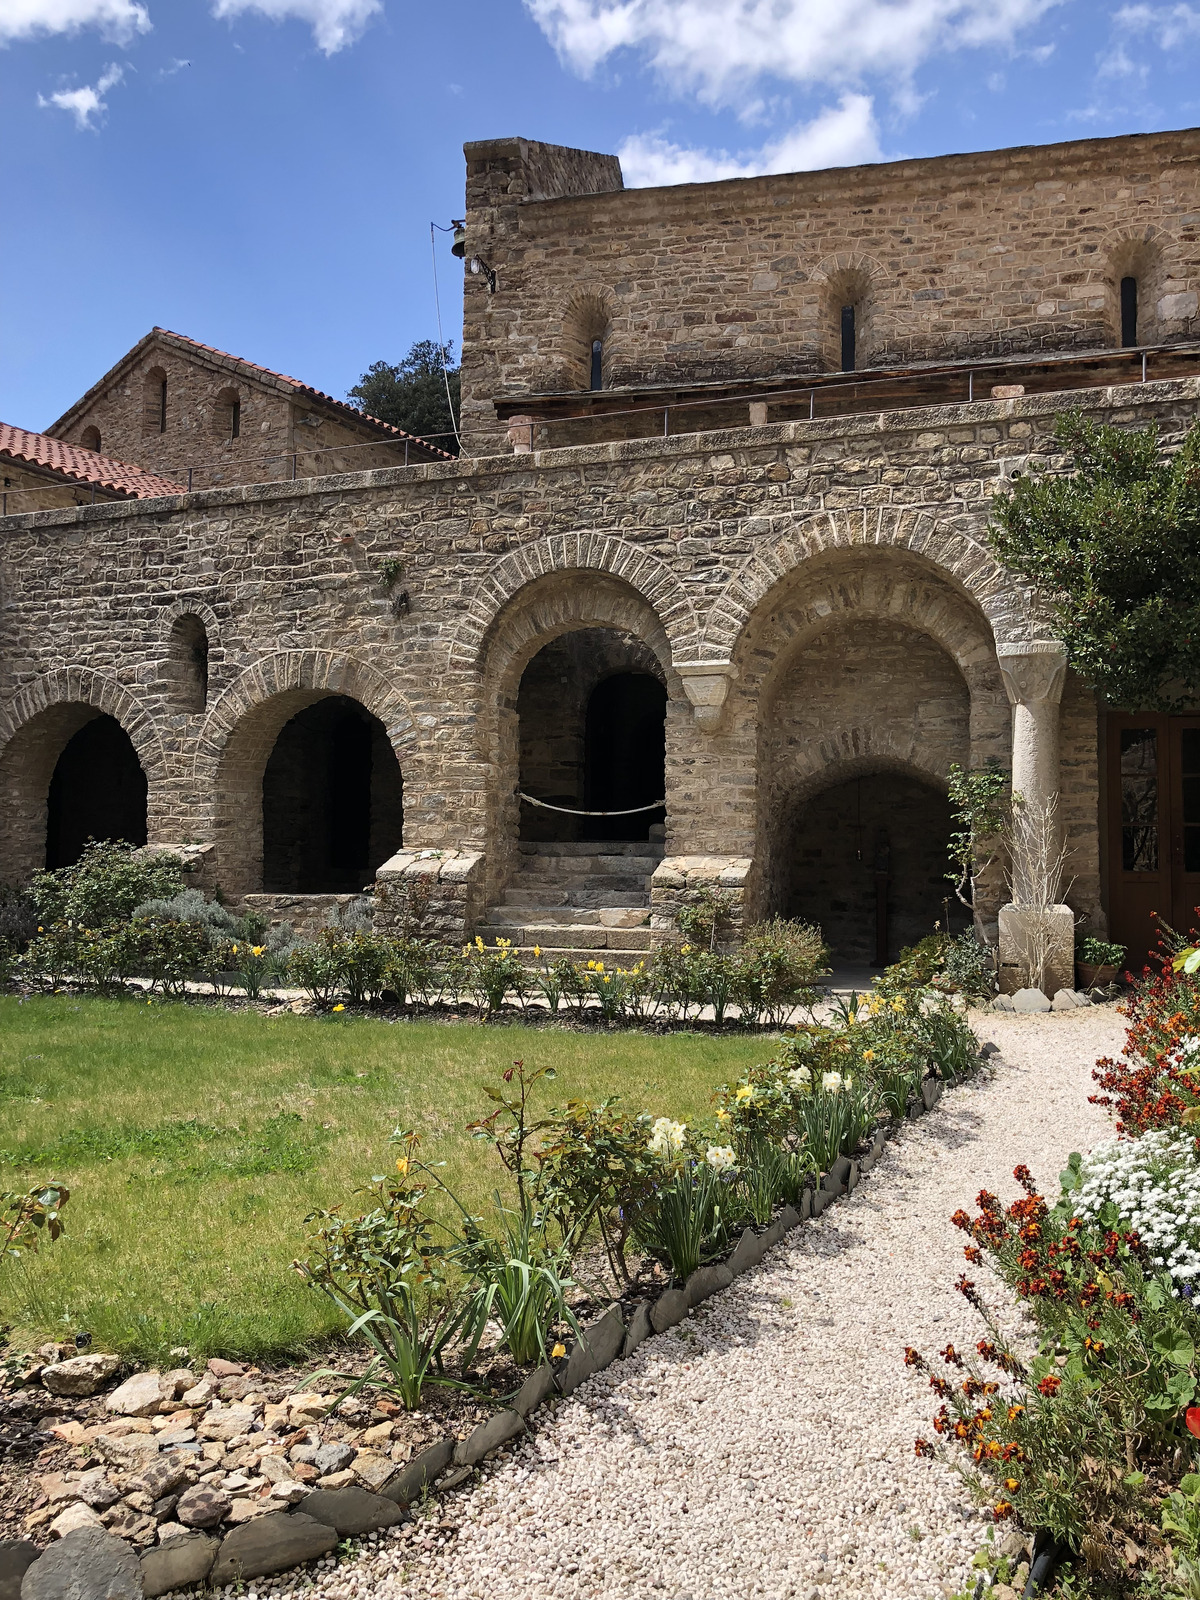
(1185, 841)
(1139, 830)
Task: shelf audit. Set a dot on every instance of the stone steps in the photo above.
(582, 900)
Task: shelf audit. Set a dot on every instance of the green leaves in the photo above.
(1112, 546)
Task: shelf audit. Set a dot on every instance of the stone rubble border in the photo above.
(91, 1561)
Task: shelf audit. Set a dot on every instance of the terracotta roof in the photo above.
(252, 369)
(82, 466)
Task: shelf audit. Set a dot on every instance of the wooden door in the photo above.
(1154, 828)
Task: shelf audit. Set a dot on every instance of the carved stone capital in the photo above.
(706, 684)
(1033, 673)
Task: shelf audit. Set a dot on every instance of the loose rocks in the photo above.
(81, 1375)
(271, 1544)
(139, 1396)
(178, 1563)
(203, 1507)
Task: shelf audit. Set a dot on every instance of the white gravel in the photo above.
(765, 1448)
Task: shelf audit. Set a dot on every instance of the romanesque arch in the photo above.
(960, 558)
(241, 730)
(36, 726)
(562, 555)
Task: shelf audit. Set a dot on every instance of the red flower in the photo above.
(1191, 1420)
(923, 1448)
(1052, 1385)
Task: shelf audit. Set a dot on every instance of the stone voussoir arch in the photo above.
(85, 686)
(319, 672)
(562, 554)
(965, 561)
(844, 262)
(857, 752)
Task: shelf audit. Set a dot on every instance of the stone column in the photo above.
(1034, 675)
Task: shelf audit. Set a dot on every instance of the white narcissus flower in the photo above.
(800, 1078)
(831, 1082)
(719, 1157)
(666, 1137)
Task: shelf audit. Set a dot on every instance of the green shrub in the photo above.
(778, 967)
(167, 952)
(1098, 952)
(105, 886)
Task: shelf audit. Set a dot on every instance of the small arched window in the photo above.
(597, 364)
(188, 661)
(227, 415)
(587, 349)
(154, 406)
(1129, 312)
(848, 339)
(90, 439)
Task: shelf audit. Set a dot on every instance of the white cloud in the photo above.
(115, 19)
(840, 136)
(87, 102)
(335, 23)
(1170, 25)
(719, 48)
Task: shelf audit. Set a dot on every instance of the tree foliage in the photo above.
(412, 394)
(1113, 546)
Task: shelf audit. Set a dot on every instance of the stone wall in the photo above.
(275, 421)
(986, 254)
(724, 554)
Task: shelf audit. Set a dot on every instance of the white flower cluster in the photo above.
(834, 1082)
(1154, 1182)
(800, 1078)
(666, 1138)
(720, 1157)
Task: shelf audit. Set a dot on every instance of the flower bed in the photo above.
(1086, 1436)
(443, 1298)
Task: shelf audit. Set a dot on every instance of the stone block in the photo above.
(639, 1329)
(670, 1307)
(706, 1281)
(1030, 1001)
(139, 1396)
(424, 1469)
(351, 1510)
(746, 1253)
(271, 1543)
(16, 1558)
(488, 1436)
(540, 1383)
(599, 1343)
(178, 1563)
(89, 1564)
(789, 1218)
(1024, 932)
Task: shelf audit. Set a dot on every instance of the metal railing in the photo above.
(851, 393)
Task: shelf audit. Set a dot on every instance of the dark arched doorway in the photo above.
(332, 801)
(868, 857)
(592, 712)
(97, 791)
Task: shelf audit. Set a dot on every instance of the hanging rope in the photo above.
(570, 811)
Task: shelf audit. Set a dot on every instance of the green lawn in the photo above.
(195, 1142)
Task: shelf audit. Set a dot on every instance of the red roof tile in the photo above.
(82, 466)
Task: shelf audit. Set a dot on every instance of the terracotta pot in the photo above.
(1090, 977)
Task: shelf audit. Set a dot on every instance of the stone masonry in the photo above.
(818, 598)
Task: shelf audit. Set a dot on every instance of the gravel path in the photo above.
(764, 1448)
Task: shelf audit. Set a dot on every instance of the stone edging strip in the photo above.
(313, 1528)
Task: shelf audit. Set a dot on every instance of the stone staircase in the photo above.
(578, 900)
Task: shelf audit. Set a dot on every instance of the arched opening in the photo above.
(846, 312)
(1129, 312)
(1138, 290)
(227, 416)
(97, 791)
(866, 859)
(154, 402)
(188, 660)
(585, 339)
(332, 801)
(592, 713)
(90, 439)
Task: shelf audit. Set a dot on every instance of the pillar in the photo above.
(1036, 932)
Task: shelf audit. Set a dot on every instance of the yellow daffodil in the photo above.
(339, 1008)
(744, 1094)
(559, 1350)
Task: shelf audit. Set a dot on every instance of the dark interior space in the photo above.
(869, 849)
(98, 791)
(625, 754)
(333, 804)
(592, 712)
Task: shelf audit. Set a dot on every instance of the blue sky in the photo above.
(261, 174)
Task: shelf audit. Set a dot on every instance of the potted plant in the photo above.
(1097, 962)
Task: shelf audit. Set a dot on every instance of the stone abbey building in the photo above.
(714, 557)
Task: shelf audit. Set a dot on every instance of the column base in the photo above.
(1033, 937)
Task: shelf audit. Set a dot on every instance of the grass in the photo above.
(196, 1141)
